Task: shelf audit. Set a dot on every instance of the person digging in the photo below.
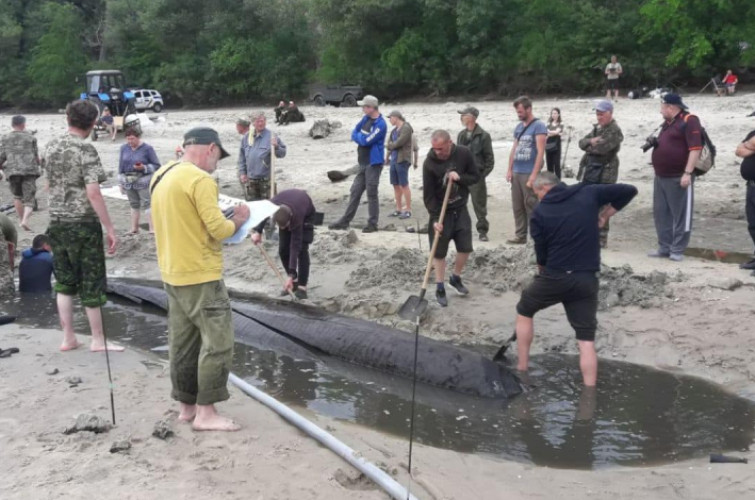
(448, 162)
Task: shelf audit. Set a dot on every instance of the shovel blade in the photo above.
(413, 308)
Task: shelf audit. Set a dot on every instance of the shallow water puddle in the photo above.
(637, 415)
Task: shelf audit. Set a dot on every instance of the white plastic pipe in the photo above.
(386, 482)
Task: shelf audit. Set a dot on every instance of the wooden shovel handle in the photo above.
(436, 239)
(272, 166)
(275, 268)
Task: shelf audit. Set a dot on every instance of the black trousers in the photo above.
(750, 209)
(553, 161)
(284, 251)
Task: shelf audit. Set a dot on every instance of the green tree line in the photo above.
(232, 51)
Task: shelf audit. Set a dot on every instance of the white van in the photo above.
(145, 99)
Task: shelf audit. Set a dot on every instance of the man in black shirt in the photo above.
(566, 229)
(294, 220)
(448, 162)
(746, 151)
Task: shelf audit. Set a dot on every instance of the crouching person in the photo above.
(566, 226)
(189, 229)
(295, 219)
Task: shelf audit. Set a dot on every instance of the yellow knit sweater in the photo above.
(189, 225)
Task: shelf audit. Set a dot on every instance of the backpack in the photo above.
(707, 158)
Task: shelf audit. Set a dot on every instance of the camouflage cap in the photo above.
(204, 135)
(470, 110)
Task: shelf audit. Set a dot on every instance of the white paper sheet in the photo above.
(259, 211)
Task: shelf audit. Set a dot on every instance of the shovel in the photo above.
(275, 268)
(416, 305)
(501, 354)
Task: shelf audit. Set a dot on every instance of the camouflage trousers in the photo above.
(7, 286)
(24, 188)
(200, 336)
(610, 175)
(78, 260)
(257, 189)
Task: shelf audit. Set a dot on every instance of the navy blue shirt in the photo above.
(35, 271)
(564, 224)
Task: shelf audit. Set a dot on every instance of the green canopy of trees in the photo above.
(228, 51)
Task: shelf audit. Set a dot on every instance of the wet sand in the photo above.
(691, 317)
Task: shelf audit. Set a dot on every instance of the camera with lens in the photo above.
(650, 142)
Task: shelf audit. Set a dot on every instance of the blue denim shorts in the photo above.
(400, 173)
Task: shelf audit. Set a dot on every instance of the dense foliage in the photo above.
(228, 51)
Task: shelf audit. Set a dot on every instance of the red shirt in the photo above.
(677, 138)
(731, 78)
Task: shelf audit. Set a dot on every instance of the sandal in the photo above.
(395, 213)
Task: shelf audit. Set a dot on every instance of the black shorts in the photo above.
(456, 227)
(578, 292)
(612, 84)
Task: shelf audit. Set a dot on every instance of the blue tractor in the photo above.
(107, 89)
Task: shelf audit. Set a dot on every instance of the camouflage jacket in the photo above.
(606, 151)
(481, 145)
(71, 164)
(19, 154)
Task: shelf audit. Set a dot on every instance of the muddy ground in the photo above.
(693, 316)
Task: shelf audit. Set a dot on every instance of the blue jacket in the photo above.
(564, 224)
(35, 271)
(375, 140)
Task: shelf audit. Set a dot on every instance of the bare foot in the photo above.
(133, 231)
(188, 412)
(215, 423)
(110, 347)
(25, 225)
(65, 346)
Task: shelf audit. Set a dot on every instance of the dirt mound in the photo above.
(502, 269)
(390, 269)
(620, 286)
(509, 270)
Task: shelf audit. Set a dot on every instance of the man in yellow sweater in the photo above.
(189, 229)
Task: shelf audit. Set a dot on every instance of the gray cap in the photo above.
(369, 100)
(604, 106)
(204, 136)
(243, 121)
(470, 110)
(397, 114)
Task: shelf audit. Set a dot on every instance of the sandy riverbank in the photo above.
(692, 317)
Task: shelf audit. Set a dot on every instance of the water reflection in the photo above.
(637, 416)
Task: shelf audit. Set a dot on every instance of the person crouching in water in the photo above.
(448, 162)
(294, 218)
(565, 226)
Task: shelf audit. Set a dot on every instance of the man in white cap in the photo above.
(369, 134)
